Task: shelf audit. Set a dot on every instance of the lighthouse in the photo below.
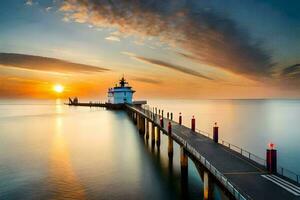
(121, 93)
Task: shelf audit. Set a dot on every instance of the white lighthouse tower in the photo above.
(120, 94)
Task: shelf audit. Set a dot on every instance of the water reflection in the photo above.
(65, 183)
(58, 106)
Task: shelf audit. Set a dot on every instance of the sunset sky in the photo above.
(165, 48)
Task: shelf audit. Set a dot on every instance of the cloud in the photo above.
(48, 8)
(39, 63)
(130, 54)
(207, 35)
(139, 42)
(291, 72)
(187, 56)
(29, 3)
(146, 80)
(172, 66)
(113, 38)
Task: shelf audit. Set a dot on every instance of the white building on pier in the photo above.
(121, 93)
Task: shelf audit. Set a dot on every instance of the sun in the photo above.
(58, 88)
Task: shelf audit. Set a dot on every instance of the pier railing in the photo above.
(244, 152)
(280, 170)
(233, 189)
(236, 148)
(288, 174)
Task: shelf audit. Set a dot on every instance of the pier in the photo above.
(97, 104)
(241, 174)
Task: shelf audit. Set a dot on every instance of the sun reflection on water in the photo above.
(66, 184)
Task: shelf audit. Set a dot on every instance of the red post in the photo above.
(272, 159)
(169, 128)
(180, 119)
(161, 122)
(193, 124)
(216, 133)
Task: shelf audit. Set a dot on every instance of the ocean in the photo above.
(52, 151)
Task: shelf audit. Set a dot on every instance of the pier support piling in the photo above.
(153, 134)
(158, 137)
(183, 160)
(170, 141)
(208, 187)
(170, 147)
(184, 173)
(139, 123)
(142, 130)
(147, 129)
(135, 118)
(208, 182)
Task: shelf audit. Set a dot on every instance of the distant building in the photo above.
(120, 94)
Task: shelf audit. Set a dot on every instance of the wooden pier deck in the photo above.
(93, 104)
(242, 177)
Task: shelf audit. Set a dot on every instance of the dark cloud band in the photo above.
(172, 66)
(146, 80)
(45, 64)
(291, 72)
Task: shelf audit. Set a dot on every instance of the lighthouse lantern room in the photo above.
(121, 93)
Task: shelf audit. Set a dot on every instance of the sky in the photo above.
(185, 49)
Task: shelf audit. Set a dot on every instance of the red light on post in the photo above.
(271, 146)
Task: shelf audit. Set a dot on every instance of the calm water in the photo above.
(50, 151)
(60, 152)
